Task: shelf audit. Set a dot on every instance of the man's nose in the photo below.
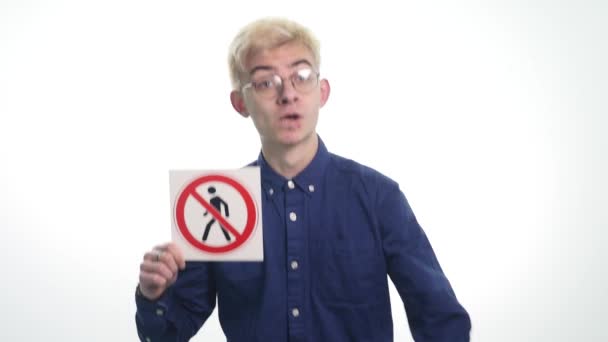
(287, 93)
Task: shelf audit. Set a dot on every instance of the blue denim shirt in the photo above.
(331, 237)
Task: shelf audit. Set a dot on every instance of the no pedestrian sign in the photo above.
(216, 214)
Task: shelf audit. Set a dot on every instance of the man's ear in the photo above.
(238, 103)
(325, 90)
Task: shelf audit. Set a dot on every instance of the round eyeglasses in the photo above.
(270, 85)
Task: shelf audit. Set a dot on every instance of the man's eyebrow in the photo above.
(269, 68)
(301, 61)
(260, 67)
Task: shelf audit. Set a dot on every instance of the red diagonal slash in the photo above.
(216, 214)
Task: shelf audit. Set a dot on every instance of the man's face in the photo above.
(286, 115)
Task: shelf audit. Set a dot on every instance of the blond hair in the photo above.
(264, 34)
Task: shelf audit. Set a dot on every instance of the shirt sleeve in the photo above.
(181, 311)
(434, 314)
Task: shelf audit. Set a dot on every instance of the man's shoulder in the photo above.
(345, 167)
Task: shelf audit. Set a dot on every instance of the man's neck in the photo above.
(289, 161)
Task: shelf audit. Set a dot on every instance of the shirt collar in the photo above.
(308, 180)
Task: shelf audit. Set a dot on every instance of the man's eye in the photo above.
(302, 75)
(261, 85)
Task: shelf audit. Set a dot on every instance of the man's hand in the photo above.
(159, 269)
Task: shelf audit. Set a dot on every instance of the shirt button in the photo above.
(159, 312)
(294, 265)
(148, 339)
(270, 191)
(311, 188)
(293, 217)
(295, 312)
(290, 184)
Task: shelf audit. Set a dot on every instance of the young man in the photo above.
(333, 229)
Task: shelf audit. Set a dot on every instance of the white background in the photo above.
(490, 115)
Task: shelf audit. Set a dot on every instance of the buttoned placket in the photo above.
(296, 245)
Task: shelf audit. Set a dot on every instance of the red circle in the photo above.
(181, 220)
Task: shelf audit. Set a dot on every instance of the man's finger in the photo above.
(169, 260)
(151, 280)
(157, 267)
(177, 255)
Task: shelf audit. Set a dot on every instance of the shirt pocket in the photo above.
(350, 274)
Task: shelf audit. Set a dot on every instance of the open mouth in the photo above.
(291, 117)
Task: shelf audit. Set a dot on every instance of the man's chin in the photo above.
(291, 140)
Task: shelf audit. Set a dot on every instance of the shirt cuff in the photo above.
(150, 309)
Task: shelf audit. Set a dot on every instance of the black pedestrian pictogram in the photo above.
(217, 202)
